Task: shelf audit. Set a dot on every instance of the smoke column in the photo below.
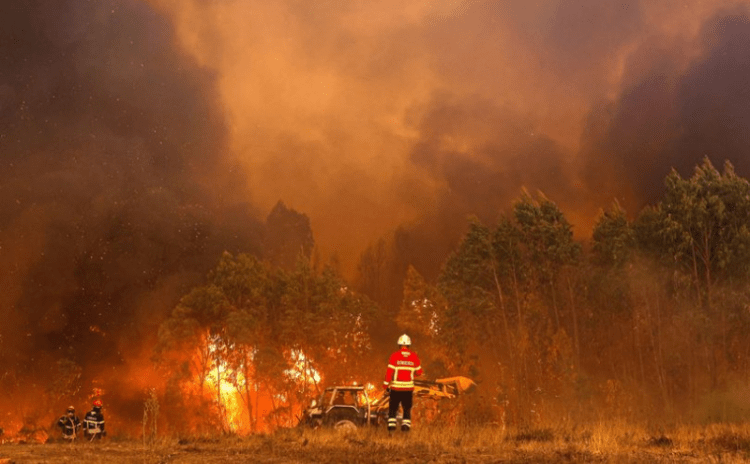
(116, 194)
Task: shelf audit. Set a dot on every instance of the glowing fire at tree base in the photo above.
(244, 405)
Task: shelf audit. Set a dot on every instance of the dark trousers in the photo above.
(403, 398)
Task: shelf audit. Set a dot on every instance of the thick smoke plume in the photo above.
(116, 194)
(673, 112)
(374, 116)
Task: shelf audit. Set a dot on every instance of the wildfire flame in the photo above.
(223, 387)
(301, 369)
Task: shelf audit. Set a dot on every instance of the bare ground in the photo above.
(430, 445)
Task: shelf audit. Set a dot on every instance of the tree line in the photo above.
(649, 318)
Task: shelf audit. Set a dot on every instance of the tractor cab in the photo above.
(343, 406)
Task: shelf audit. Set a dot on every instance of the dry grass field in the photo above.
(440, 445)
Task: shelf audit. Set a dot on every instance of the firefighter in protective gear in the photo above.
(403, 366)
(93, 422)
(70, 424)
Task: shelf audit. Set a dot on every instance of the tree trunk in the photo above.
(521, 330)
(501, 300)
(222, 415)
(575, 323)
(248, 398)
(554, 305)
(257, 403)
(696, 278)
(639, 348)
(659, 355)
(275, 409)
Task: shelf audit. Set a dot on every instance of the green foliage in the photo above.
(244, 281)
(506, 247)
(423, 306)
(647, 230)
(197, 313)
(547, 235)
(702, 223)
(467, 277)
(613, 237)
(468, 286)
(503, 289)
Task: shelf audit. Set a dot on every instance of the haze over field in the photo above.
(141, 138)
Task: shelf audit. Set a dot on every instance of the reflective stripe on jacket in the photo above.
(403, 366)
(94, 422)
(69, 425)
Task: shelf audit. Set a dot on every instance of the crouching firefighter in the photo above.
(403, 366)
(93, 422)
(70, 424)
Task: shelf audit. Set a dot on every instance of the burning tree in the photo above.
(256, 339)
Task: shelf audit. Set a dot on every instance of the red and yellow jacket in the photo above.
(403, 366)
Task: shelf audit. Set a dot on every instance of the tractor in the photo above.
(340, 407)
(349, 407)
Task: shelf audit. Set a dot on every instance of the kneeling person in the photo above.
(70, 424)
(93, 422)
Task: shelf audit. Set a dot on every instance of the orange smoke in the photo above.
(325, 99)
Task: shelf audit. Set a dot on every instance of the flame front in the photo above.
(241, 402)
(222, 384)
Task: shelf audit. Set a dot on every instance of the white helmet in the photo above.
(404, 340)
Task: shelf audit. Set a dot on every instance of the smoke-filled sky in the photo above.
(140, 138)
(367, 115)
(117, 191)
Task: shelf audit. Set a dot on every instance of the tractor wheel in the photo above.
(345, 426)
